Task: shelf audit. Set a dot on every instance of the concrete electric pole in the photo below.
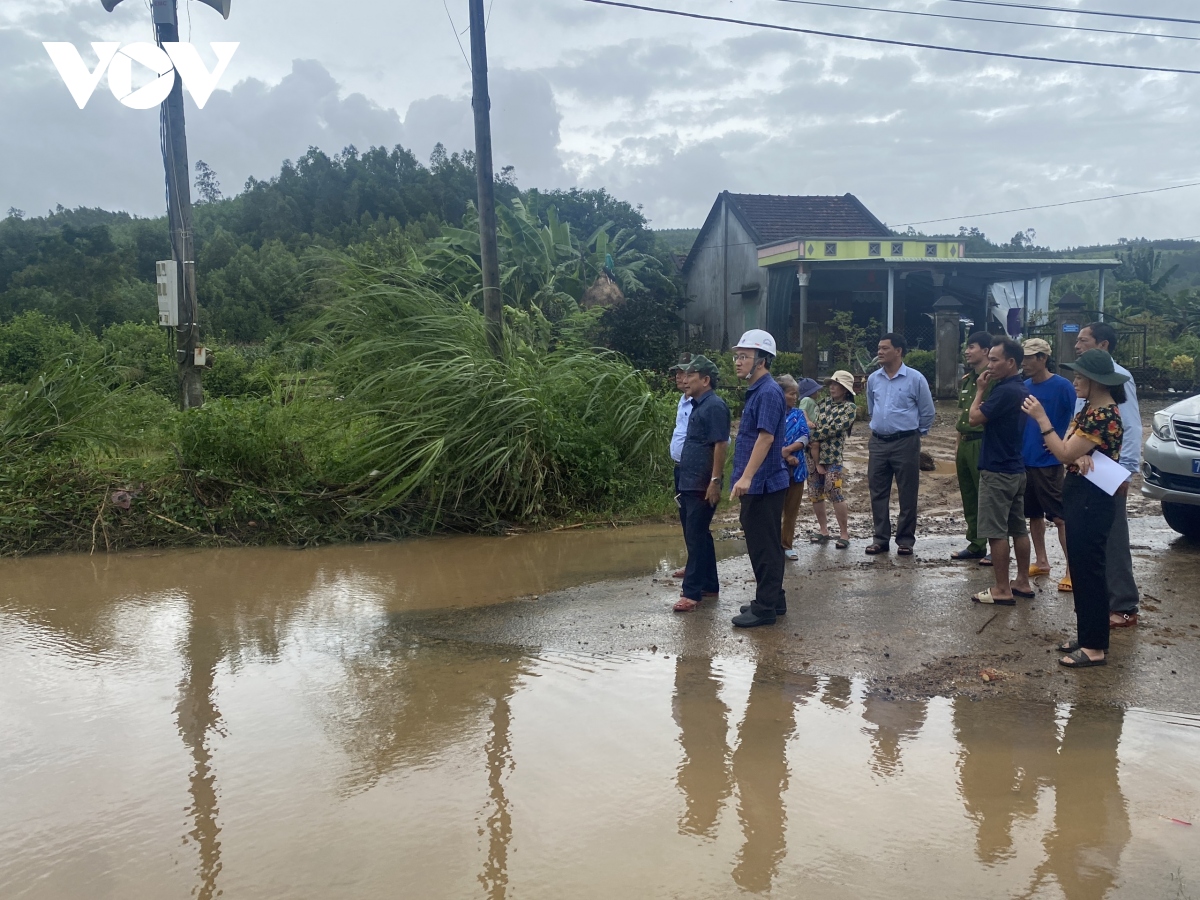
(179, 206)
(493, 305)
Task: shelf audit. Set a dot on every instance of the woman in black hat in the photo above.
(1087, 509)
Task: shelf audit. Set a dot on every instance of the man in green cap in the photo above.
(698, 479)
(966, 458)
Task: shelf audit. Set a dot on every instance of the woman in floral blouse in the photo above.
(835, 418)
(1088, 510)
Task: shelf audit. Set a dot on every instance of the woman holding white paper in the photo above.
(1087, 508)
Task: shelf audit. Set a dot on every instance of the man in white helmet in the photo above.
(760, 475)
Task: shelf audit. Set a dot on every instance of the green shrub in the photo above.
(924, 361)
(142, 351)
(31, 341)
(788, 364)
(251, 439)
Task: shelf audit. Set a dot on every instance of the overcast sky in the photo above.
(662, 111)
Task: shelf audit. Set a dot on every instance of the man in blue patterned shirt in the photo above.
(760, 476)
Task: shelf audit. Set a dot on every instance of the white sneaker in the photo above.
(791, 554)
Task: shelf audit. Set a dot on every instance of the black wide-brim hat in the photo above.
(1098, 366)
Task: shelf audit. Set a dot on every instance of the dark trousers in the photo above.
(761, 518)
(1122, 589)
(966, 464)
(899, 460)
(1089, 513)
(700, 576)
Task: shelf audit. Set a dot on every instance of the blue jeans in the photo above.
(700, 576)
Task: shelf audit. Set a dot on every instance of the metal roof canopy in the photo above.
(988, 269)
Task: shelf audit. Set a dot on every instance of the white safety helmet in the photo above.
(756, 339)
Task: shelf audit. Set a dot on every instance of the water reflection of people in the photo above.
(760, 770)
(1009, 753)
(1091, 824)
(703, 723)
(894, 721)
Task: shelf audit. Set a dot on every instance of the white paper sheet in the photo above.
(1107, 474)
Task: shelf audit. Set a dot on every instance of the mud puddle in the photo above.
(263, 725)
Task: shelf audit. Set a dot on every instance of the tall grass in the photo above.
(70, 405)
(474, 438)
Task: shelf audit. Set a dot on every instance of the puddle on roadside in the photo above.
(189, 727)
(425, 573)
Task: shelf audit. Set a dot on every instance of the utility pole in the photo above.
(179, 215)
(493, 305)
(179, 204)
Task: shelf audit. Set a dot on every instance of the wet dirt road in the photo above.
(525, 718)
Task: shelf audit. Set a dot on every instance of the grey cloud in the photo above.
(525, 126)
(252, 128)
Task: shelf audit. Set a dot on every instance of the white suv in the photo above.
(1171, 465)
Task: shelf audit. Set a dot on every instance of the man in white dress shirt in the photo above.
(682, 412)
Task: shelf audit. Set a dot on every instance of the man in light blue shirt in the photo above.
(682, 412)
(1122, 589)
(900, 406)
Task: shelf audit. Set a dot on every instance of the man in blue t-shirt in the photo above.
(1002, 470)
(1043, 472)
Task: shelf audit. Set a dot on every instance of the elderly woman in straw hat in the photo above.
(1088, 509)
(835, 418)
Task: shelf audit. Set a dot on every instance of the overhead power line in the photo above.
(1000, 212)
(1080, 12)
(933, 15)
(891, 42)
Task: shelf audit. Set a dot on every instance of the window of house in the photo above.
(830, 248)
(897, 248)
(931, 249)
(874, 248)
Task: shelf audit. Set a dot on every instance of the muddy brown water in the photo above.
(260, 724)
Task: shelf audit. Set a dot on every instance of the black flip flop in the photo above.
(1068, 647)
(1080, 660)
(1027, 595)
(968, 553)
(904, 551)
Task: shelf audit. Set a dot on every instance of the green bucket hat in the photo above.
(681, 366)
(702, 365)
(1098, 366)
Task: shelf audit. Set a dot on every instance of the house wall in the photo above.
(706, 281)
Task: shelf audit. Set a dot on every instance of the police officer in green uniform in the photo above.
(966, 459)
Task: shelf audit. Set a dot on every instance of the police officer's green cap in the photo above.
(702, 365)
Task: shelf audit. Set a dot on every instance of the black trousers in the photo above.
(899, 460)
(1089, 513)
(762, 518)
(700, 576)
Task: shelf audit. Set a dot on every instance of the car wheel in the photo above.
(1183, 518)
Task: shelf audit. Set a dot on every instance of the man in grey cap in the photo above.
(682, 411)
(1043, 472)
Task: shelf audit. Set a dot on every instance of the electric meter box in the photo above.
(166, 273)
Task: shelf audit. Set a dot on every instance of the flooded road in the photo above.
(260, 724)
